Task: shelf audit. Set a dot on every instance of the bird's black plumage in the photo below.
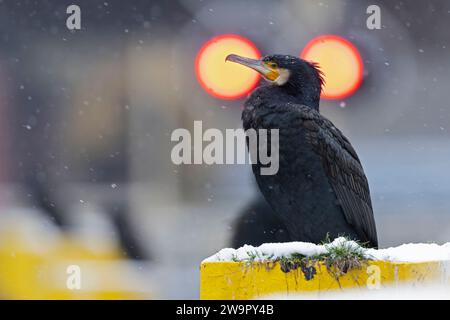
(320, 189)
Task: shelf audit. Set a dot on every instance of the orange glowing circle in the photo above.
(226, 80)
(340, 62)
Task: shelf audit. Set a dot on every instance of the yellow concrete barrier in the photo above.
(32, 267)
(253, 280)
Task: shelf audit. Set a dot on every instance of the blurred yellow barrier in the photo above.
(32, 271)
(243, 280)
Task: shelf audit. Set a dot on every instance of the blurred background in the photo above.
(86, 119)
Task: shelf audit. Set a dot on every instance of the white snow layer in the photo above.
(411, 252)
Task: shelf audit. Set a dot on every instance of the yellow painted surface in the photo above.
(40, 272)
(239, 280)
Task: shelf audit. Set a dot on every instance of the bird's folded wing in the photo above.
(344, 171)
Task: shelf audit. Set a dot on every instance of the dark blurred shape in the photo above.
(41, 198)
(126, 233)
(258, 224)
(46, 202)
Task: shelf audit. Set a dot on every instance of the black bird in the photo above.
(320, 189)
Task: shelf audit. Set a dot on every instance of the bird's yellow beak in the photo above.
(267, 72)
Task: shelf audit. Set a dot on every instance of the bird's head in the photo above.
(295, 76)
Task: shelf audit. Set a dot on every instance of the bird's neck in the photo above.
(303, 94)
(297, 94)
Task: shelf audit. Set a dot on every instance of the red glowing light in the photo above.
(340, 62)
(226, 80)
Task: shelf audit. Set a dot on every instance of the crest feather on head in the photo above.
(320, 73)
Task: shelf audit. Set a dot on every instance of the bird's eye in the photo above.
(273, 65)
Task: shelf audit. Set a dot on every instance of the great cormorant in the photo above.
(320, 189)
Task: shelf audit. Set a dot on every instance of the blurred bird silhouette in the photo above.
(256, 224)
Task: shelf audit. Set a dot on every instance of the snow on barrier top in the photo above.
(411, 252)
